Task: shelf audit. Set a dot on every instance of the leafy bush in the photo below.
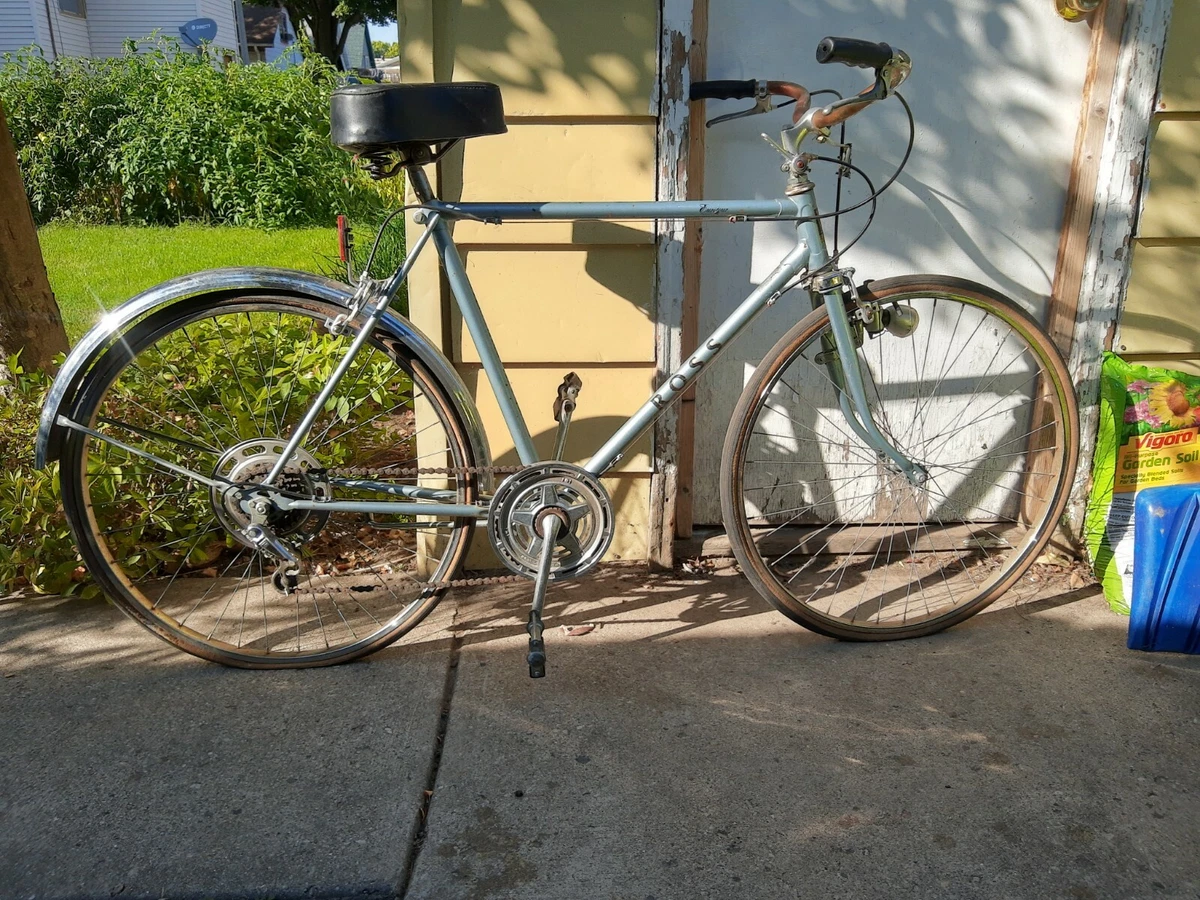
(162, 136)
(36, 548)
(153, 520)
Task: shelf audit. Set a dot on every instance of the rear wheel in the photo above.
(216, 387)
(836, 537)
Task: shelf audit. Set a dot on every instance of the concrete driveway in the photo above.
(694, 744)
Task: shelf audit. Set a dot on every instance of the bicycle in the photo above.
(272, 469)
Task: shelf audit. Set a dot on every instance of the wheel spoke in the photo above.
(142, 494)
(844, 543)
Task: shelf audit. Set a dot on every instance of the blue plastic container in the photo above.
(1165, 607)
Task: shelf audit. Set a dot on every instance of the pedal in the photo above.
(564, 407)
(568, 393)
(537, 646)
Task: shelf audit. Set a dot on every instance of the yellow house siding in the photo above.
(1181, 62)
(550, 57)
(1161, 318)
(578, 81)
(1162, 309)
(570, 305)
(1172, 208)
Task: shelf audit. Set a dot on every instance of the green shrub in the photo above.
(36, 548)
(149, 516)
(164, 135)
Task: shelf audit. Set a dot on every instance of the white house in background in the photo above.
(100, 27)
(271, 38)
(270, 35)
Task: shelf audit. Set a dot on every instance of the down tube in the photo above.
(672, 389)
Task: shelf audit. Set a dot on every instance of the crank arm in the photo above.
(537, 645)
(564, 408)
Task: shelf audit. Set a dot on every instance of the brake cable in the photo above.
(873, 198)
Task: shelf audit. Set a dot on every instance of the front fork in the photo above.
(839, 355)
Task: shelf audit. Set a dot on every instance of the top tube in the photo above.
(786, 208)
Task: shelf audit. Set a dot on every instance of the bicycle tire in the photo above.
(216, 383)
(842, 543)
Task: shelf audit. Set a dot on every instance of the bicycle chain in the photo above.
(364, 472)
(367, 472)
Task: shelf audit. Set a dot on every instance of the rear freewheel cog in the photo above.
(554, 489)
(249, 463)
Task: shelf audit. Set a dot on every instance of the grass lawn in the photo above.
(93, 268)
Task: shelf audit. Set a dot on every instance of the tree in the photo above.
(384, 50)
(30, 322)
(323, 17)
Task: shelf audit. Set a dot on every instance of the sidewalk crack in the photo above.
(421, 826)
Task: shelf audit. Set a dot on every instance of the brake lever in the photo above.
(762, 104)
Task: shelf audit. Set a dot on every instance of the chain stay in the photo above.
(366, 472)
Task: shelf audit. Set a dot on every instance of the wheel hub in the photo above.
(559, 490)
(247, 464)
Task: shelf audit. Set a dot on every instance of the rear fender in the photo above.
(280, 282)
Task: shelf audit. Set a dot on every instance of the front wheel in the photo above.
(833, 534)
(212, 387)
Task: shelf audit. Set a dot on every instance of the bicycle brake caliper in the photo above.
(868, 313)
(368, 290)
(840, 281)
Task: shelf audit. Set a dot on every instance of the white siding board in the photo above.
(108, 24)
(70, 32)
(16, 25)
(68, 37)
(41, 29)
(221, 12)
(995, 90)
(112, 22)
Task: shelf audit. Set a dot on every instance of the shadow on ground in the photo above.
(694, 744)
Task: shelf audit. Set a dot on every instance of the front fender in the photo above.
(257, 278)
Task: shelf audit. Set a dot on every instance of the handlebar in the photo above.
(383, 76)
(891, 68)
(853, 52)
(722, 90)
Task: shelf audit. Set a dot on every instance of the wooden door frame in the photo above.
(683, 38)
(1103, 203)
(1104, 199)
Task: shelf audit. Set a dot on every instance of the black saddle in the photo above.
(407, 118)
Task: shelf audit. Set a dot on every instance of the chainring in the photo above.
(572, 495)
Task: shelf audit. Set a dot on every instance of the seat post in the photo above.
(420, 183)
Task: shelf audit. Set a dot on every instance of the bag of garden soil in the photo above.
(1149, 437)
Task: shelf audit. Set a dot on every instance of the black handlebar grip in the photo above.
(853, 52)
(722, 90)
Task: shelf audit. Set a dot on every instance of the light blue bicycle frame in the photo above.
(809, 254)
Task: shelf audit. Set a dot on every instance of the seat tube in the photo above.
(468, 305)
